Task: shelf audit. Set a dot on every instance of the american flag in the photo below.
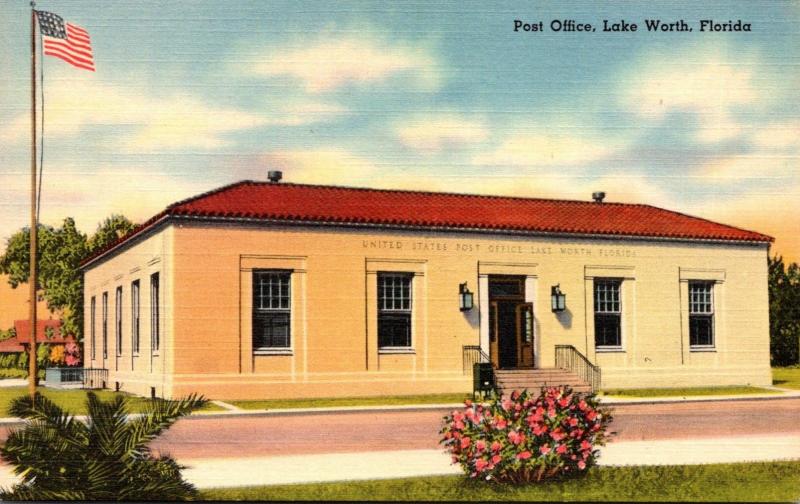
(65, 40)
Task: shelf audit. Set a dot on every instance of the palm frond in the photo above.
(44, 410)
(159, 415)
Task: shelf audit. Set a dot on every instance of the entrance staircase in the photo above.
(508, 380)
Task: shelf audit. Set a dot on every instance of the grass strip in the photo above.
(74, 400)
(329, 402)
(688, 391)
(748, 482)
(786, 377)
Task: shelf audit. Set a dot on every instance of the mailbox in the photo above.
(482, 377)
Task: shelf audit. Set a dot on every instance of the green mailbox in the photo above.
(482, 377)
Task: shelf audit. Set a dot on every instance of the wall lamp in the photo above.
(558, 299)
(465, 298)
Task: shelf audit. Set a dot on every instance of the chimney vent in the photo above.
(598, 196)
(274, 176)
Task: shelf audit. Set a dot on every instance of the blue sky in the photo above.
(428, 95)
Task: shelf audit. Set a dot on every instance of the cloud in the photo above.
(703, 83)
(88, 196)
(778, 136)
(329, 63)
(429, 134)
(145, 122)
(548, 150)
(335, 165)
(772, 212)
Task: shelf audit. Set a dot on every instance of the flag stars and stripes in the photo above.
(66, 41)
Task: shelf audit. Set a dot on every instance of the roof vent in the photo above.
(274, 176)
(598, 196)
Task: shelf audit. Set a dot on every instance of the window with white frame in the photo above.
(118, 320)
(105, 325)
(607, 314)
(135, 317)
(272, 306)
(394, 310)
(93, 322)
(701, 314)
(155, 325)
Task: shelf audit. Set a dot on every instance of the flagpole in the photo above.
(32, 371)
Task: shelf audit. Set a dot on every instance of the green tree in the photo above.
(784, 312)
(60, 252)
(110, 230)
(107, 458)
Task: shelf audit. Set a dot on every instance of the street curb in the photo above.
(12, 421)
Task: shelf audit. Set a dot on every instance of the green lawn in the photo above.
(74, 400)
(786, 377)
(352, 401)
(752, 482)
(689, 391)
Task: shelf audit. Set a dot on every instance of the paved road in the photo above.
(414, 430)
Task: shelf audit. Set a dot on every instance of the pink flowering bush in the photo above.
(521, 438)
(72, 354)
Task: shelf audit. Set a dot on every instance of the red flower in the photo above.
(496, 446)
(582, 405)
(591, 415)
(586, 445)
(501, 424)
(524, 455)
(581, 464)
(480, 445)
(496, 459)
(515, 437)
(481, 464)
(465, 441)
(544, 449)
(561, 449)
(515, 395)
(573, 421)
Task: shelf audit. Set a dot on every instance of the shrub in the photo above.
(522, 438)
(57, 355)
(72, 354)
(59, 457)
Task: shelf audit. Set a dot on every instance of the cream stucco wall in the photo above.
(150, 368)
(207, 274)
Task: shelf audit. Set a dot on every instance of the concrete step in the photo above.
(533, 380)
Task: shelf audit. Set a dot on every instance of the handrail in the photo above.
(568, 357)
(472, 354)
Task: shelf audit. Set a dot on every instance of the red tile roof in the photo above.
(11, 345)
(23, 330)
(300, 203)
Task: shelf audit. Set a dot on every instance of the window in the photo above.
(92, 314)
(155, 329)
(607, 314)
(701, 314)
(135, 317)
(271, 309)
(394, 310)
(105, 325)
(118, 320)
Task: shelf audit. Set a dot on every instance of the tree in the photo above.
(60, 252)
(784, 312)
(110, 230)
(107, 458)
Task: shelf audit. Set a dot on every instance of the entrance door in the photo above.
(510, 323)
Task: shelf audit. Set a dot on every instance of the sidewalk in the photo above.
(210, 473)
(411, 463)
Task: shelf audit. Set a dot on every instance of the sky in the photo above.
(446, 96)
